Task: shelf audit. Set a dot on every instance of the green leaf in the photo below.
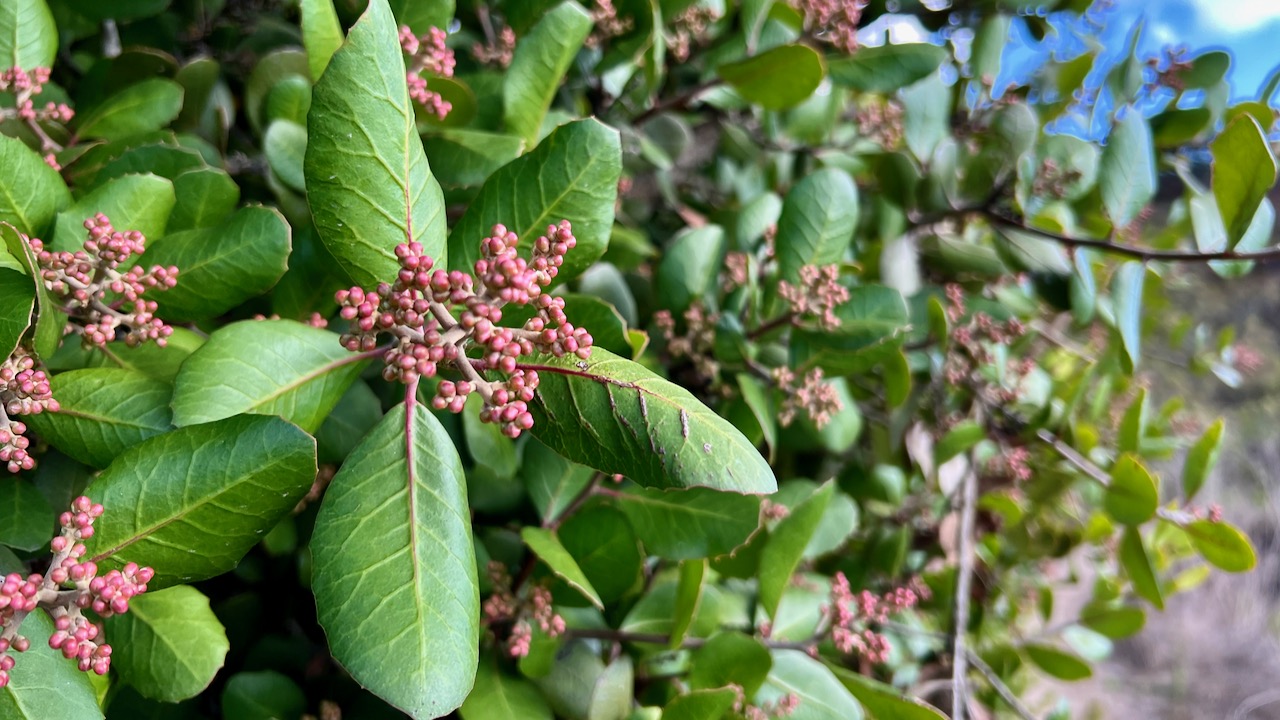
(1208, 69)
(618, 417)
(357, 411)
(776, 79)
(547, 547)
(786, 544)
(18, 298)
(169, 645)
(191, 502)
(221, 267)
(757, 400)
(44, 684)
(926, 115)
(730, 658)
(611, 696)
(267, 367)
(103, 412)
(701, 705)
(1114, 622)
(466, 158)
(605, 548)
(873, 321)
(1133, 425)
(886, 68)
(285, 145)
(692, 523)
(1136, 564)
(1223, 545)
(822, 696)
(1176, 127)
(28, 36)
(690, 266)
(1127, 177)
(395, 571)
(140, 108)
(206, 196)
(1132, 496)
(321, 34)
(1200, 460)
(49, 320)
(501, 697)
(551, 481)
(885, 702)
(422, 15)
(263, 695)
(31, 192)
(158, 363)
(26, 519)
(957, 440)
(542, 57)
(1243, 171)
(368, 182)
(817, 222)
(1126, 292)
(1058, 663)
(131, 202)
(572, 175)
(688, 596)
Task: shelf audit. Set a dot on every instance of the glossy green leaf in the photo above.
(886, 68)
(708, 704)
(786, 544)
(31, 192)
(26, 519)
(817, 222)
(547, 547)
(730, 658)
(169, 645)
(1222, 544)
(1058, 663)
(140, 108)
(690, 524)
(262, 695)
(205, 197)
(395, 573)
(776, 79)
(822, 696)
(551, 481)
(466, 158)
(1127, 177)
(368, 182)
(285, 145)
(46, 685)
(541, 59)
(131, 202)
(497, 696)
(1243, 171)
(321, 34)
(200, 497)
(572, 175)
(1126, 292)
(103, 412)
(690, 267)
(885, 702)
(267, 367)
(618, 417)
(28, 37)
(1201, 459)
(1137, 565)
(221, 267)
(1133, 495)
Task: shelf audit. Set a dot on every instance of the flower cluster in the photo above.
(835, 21)
(24, 390)
(972, 342)
(1012, 464)
(881, 121)
(737, 271)
(24, 87)
(812, 396)
(497, 50)
(1052, 180)
(607, 23)
(81, 282)
(851, 616)
(435, 316)
(75, 635)
(698, 340)
(818, 294)
(429, 54)
(504, 608)
(690, 27)
(780, 708)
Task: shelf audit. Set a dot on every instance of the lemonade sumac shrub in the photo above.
(597, 360)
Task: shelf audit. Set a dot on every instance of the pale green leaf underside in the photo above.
(43, 684)
(169, 645)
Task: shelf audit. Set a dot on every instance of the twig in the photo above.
(998, 685)
(679, 102)
(1069, 454)
(964, 586)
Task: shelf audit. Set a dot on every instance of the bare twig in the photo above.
(964, 587)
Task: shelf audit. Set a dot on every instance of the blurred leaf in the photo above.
(1127, 177)
(500, 697)
(262, 695)
(205, 197)
(1206, 69)
(730, 658)
(422, 15)
(1133, 425)
(321, 33)
(1224, 546)
(131, 202)
(886, 68)
(927, 115)
(690, 524)
(1132, 496)
(551, 481)
(31, 192)
(285, 145)
(1201, 459)
(541, 59)
(1136, 564)
(690, 266)
(146, 106)
(15, 287)
(786, 544)
(28, 37)
(26, 519)
(885, 702)
(18, 297)
(822, 695)
(547, 547)
(1114, 622)
(776, 79)
(466, 158)
(605, 549)
(1126, 291)
(688, 595)
(1058, 663)
(818, 218)
(1243, 171)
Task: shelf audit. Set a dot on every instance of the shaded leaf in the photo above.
(49, 321)
(701, 704)
(1058, 663)
(263, 695)
(1127, 177)
(886, 68)
(786, 544)
(1243, 171)
(501, 697)
(103, 412)
(730, 658)
(551, 481)
(547, 547)
(692, 523)
(688, 596)
(1136, 564)
(1201, 459)
(690, 266)
(26, 519)
(776, 79)
(140, 108)
(31, 192)
(540, 61)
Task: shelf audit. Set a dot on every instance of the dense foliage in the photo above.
(601, 360)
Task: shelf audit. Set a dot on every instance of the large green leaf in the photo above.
(262, 695)
(395, 573)
(776, 79)
(690, 267)
(131, 202)
(1243, 171)
(701, 704)
(368, 182)
(206, 196)
(817, 222)
(31, 192)
(730, 658)
(690, 524)
(169, 645)
(1127, 177)
(103, 412)
(541, 59)
(501, 697)
(886, 68)
(43, 684)
(605, 548)
(422, 15)
(140, 108)
(785, 546)
(572, 175)
(191, 502)
(466, 158)
(28, 37)
(321, 34)
(618, 417)
(25, 516)
(822, 696)
(221, 267)
(269, 367)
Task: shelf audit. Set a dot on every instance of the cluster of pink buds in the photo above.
(497, 50)
(780, 708)
(818, 294)
(851, 616)
(1012, 464)
(436, 316)
(607, 23)
(689, 28)
(737, 271)
(834, 21)
(75, 635)
(812, 396)
(428, 54)
(24, 390)
(972, 342)
(698, 341)
(24, 87)
(1052, 180)
(81, 281)
(504, 608)
(881, 121)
